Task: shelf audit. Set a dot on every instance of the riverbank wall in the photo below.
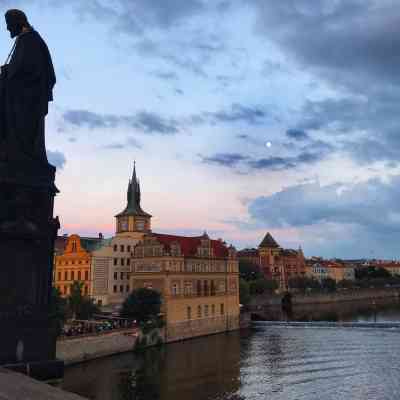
(326, 298)
(201, 327)
(346, 295)
(80, 349)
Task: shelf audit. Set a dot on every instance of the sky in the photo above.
(243, 116)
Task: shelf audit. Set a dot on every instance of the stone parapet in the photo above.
(201, 327)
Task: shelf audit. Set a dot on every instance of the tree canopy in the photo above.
(142, 305)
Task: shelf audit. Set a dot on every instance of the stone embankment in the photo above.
(327, 298)
(346, 295)
(79, 349)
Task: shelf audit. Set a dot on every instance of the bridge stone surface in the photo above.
(15, 386)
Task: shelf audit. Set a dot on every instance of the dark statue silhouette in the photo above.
(27, 226)
(27, 83)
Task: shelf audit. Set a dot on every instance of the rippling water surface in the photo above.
(269, 362)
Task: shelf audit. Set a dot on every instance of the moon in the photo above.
(268, 144)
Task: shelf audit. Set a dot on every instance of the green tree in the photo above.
(249, 271)
(244, 292)
(304, 283)
(346, 284)
(75, 298)
(371, 272)
(262, 285)
(58, 309)
(142, 304)
(79, 306)
(329, 284)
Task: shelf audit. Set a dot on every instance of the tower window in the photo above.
(122, 248)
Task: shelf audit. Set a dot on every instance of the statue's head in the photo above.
(16, 20)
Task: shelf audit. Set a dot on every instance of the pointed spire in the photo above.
(268, 242)
(133, 197)
(134, 179)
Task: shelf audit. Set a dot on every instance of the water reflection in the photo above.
(274, 363)
(205, 368)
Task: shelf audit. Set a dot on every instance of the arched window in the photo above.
(199, 311)
(189, 312)
(199, 288)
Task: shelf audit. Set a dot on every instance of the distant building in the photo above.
(393, 267)
(72, 262)
(275, 262)
(323, 269)
(111, 263)
(198, 280)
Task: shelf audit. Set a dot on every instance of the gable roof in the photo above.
(269, 242)
(189, 244)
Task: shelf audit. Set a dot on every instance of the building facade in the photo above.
(198, 279)
(73, 263)
(111, 263)
(323, 269)
(275, 262)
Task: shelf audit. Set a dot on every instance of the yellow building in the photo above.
(198, 279)
(74, 263)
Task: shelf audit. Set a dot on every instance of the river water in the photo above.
(266, 362)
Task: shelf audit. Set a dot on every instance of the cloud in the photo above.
(348, 41)
(167, 76)
(335, 220)
(350, 45)
(56, 158)
(285, 163)
(236, 160)
(373, 204)
(129, 143)
(296, 134)
(147, 122)
(366, 130)
(224, 159)
(239, 113)
(152, 123)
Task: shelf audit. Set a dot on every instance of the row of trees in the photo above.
(365, 277)
(142, 305)
(252, 282)
(75, 305)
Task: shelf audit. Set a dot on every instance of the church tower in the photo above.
(133, 221)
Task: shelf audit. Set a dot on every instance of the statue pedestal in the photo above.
(27, 234)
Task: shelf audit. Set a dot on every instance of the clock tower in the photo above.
(133, 221)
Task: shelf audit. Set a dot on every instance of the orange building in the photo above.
(275, 262)
(74, 263)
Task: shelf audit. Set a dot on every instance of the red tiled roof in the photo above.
(189, 245)
(248, 253)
